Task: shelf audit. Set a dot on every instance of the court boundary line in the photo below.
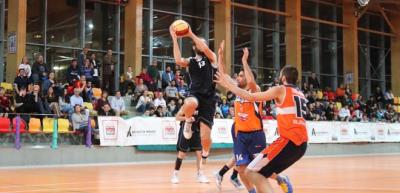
(171, 161)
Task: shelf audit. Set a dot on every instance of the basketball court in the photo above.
(360, 174)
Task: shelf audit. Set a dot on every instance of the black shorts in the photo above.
(279, 156)
(187, 145)
(206, 108)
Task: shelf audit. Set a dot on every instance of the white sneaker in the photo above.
(218, 179)
(201, 178)
(187, 130)
(175, 178)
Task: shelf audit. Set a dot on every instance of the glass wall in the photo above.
(261, 32)
(158, 15)
(322, 44)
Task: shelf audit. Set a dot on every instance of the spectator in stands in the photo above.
(371, 107)
(102, 101)
(87, 93)
(230, 97)
(88, 70)
(80, 83)
(144, 102)
(21, 81)
(319, 112)
(73, 72)
(160, 112)
(357, 115)
(5, 104)
(140, 87)
(24, 103)
(108, 72)
(344, 114)
(106, 110)
(39, 69)
(128, 81)
(390, 114)
(26, 66)
(224, 107)
(64, 102)
(96, 70)
(380, 114)
(148, 81)
(389, 97)
(52, 101)
(182, 89)
(167, 77)
(80, 120)
(40, 105)
(171, 91)
(76, 99)
(82, 57)
(178, 75)
(218, 115)
(153, 72)
(347, 100)
(160, 101)
(118, 104)
(329, 112)
(313, 80)
(48, 82)
(347, 91)
(231, 112)
(172, 108)
(379, 98)
(305, 88)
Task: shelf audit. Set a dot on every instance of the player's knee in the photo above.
(248, 173)
(241, 170)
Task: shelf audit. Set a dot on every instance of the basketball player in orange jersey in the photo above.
(247, 131)
(202, 92)
(292, 143)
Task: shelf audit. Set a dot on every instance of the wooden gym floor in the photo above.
(367, 174)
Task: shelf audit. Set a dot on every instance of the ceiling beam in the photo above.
(392, 28)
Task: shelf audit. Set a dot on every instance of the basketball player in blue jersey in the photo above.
(202, 93)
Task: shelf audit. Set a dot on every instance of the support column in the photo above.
(2, 23)
(222, 28)
(16, 25)
(350, 43)
(382, 60)
(133, 36)
(334, 51)
(316, 45)
(276, 44)
(293, 34)
(367, 56)
(395, 53)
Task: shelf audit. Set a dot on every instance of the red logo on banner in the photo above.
(110, 131)
(344, 131)
(222, 132)
(169, 132)
(381, 132)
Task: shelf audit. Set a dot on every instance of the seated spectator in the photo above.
(172, 108)
(88, 70)
(144, 102)
(389, 97)
(102, 101)
(218, 115)
(167, 77)
(160, 112)
(52, 101)
(128, 81)
(48, 82)
(106, 110)
(356, 114)
(305, 88)
(371, 106)
(73, 72)
(24, 103)
(379, 98)
(76, 99)
(347, 100)
(80, 83)
(64, 102)
(39, 69)
(390, 114)
(5, 104)
(319, 113)
(140, 87)
(147, 80)
(21, 81)
(87, 93)
(80, 121)
(171, 91)
(178, 75)
(40, 105)
(160, 101)
(182, 89)
(344, 113)
(224, 107)
(313, 81)
(118, 104)
(26, 66)
(329, 112)
(380, 115)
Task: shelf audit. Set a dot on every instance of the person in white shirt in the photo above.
(26, 66)
(118, 104)
(344, 113)
(160, 101)
(144, 102)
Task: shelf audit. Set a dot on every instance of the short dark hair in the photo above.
(291, 74)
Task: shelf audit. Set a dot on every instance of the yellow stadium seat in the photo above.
(398, 109)
(96, 93)
(320, 94)
(338, 105)
(34, 125)
(92, 123)
(396, 100)
(6, 86)
(48, 124)
(63, 125)
(88, 105)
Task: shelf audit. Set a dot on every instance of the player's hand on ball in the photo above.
(172, 32)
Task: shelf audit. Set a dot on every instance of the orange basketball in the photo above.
(181, 27)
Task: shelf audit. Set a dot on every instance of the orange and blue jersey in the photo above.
(247, 116)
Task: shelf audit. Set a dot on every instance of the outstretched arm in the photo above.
(177, 52)
(251, 82)
(203, 47)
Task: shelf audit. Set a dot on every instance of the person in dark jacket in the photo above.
(73, 72)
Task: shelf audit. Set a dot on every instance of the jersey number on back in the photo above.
(301, 106)
(201, 63)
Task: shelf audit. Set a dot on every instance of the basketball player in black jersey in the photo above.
(202, 95)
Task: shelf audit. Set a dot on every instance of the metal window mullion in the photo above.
(117, 45)
(2, 23)
(45, 33)
(151, 12)
(83, 22)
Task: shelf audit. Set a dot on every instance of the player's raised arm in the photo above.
(177, 52)
(221, 65)
(251, 82)
(203, 47)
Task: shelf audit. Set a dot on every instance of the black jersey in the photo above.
(201, 74)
